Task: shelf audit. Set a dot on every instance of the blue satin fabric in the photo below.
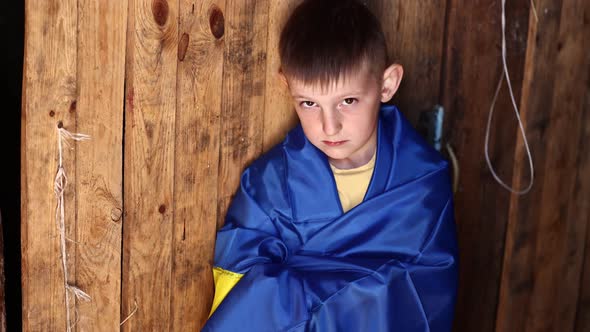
(389, 264)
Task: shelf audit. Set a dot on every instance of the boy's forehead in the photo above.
(356, 81)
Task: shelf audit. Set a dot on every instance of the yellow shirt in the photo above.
(352, 185)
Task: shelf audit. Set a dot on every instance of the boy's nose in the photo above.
(331, 123)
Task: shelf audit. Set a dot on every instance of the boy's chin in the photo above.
(336, 158)
(333, 153)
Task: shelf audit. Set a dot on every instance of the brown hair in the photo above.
(326, 39)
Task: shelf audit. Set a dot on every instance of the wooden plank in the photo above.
(574, 67)
(583, 205)
(279, 115)
(583, 307)
(415, 32)
(521, 237)
(545, 241)
(560, 233)
(470, 75)
(583, 201)
(200, 68)
(242, 108)
(99, 113)
(49, 88)
(152, 51)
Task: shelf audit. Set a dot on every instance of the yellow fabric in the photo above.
(224, 281)
(352, 183)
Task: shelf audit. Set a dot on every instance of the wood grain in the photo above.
(200, 68)
(522, 231)
(471, 71)
(582, 205)
(49, 88)
(150, 117)
(244, 82)
(556, 241)
(99, 187)
(580, 210)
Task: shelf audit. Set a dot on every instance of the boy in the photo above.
(348, 224)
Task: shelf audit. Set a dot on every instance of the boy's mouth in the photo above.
(334, 143)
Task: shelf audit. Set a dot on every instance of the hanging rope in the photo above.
(516, 112)
(61, 180)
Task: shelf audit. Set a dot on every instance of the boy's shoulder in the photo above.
(412, 157)
(408, 143)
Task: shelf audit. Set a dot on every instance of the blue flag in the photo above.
(388, 264)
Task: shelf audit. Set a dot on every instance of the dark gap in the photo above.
(124, 212)
(122, 311)
(12, 19)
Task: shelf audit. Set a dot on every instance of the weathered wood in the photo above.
(49, 88)
(200, 67)
(546, 234)
(150, 115)
(549, 250)
(279, 115)
(242, 107)
(471, 72)
(517, 276)
(583, 307)
(415, 32)
(568, 177)
(583, 199)
(98, 183)
(521, 237)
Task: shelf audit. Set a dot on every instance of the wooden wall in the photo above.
(179, 96)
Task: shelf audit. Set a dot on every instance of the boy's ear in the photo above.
(282, 78)
(392, 76)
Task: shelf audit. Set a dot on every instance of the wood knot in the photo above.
(60, 124)
(183, 46)
(116, 214)
(216, 22)
(51, 113)
(162, 209)
(73, 107)
(160, 11)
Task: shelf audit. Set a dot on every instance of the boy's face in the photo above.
(341, 120)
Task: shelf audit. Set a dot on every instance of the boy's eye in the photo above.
(307, 104)
(349, 101)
